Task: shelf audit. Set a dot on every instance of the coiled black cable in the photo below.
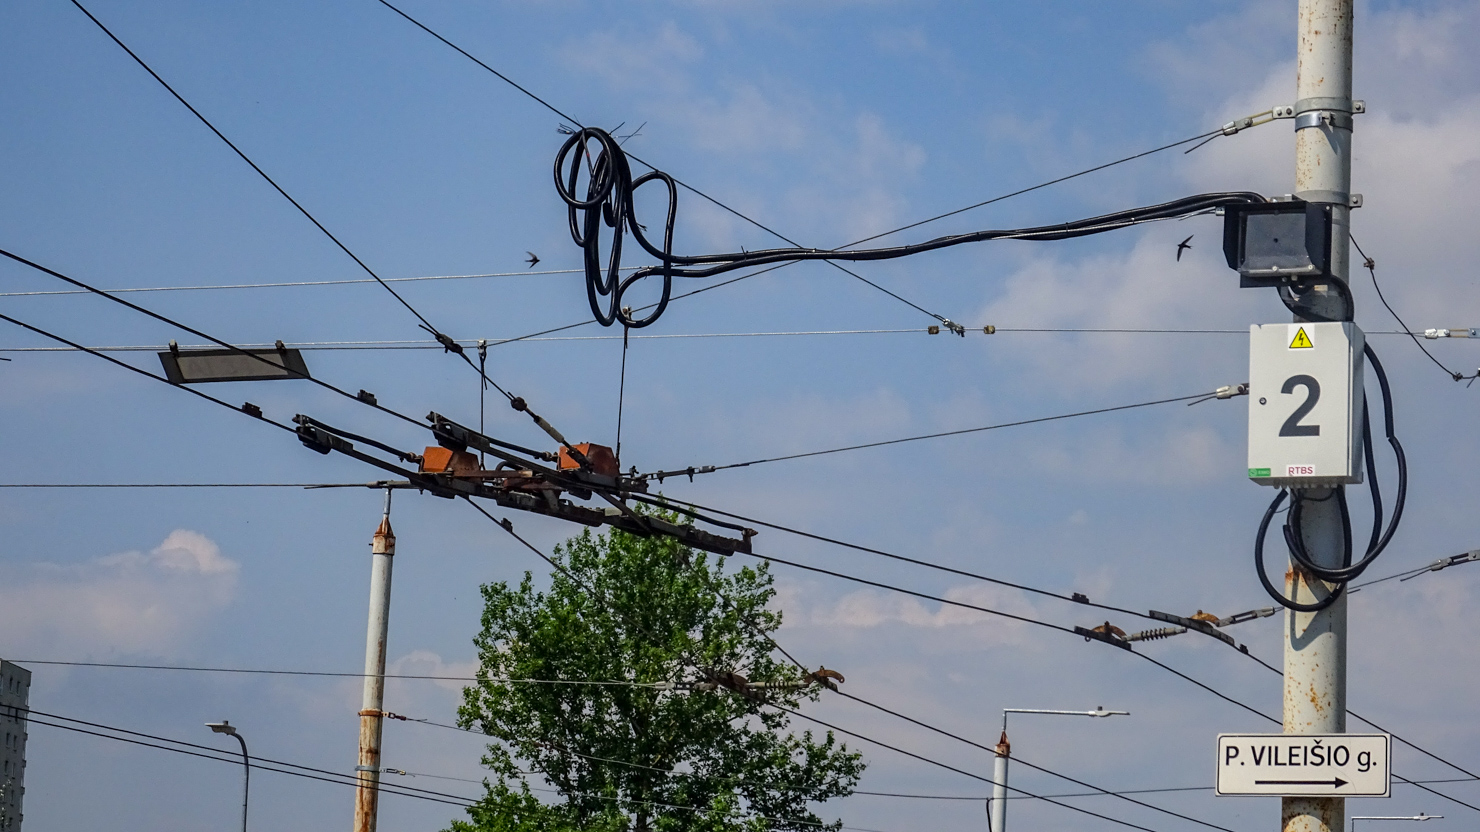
(1377, 542)
(609, 200)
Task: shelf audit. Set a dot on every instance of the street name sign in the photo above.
(1293, 765)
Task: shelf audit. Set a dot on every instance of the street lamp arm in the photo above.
(1419, 816)
(1097, 712)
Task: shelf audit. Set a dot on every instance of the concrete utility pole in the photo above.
(367, 794)
(1315, 643)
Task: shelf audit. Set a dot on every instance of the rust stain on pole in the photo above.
(372, 718)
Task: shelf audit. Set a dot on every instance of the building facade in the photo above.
(15, 689)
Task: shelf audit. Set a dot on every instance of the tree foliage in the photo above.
(669, 753)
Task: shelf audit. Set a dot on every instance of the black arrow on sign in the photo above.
(1335, 782)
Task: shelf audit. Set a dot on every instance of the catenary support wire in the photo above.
(1371, 266)
(447, 342)
(706, 469)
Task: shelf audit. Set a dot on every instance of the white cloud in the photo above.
(135, 602)
(182, 551)
(869, 609)
(428, 663)
(626, 61)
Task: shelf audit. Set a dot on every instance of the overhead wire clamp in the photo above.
(448, 345)
(1199, 622)
(1228, 391)
(1239, 618)
(1452, 332)
(1238, 124)
(1445, 563)
(1107, 632)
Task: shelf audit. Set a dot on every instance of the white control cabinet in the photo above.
(1305, 404)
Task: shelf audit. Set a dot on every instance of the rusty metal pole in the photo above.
(367, 794)
(1315, 643)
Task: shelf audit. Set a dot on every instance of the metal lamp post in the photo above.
(224, 727)
(1419, 816)
(997, 816)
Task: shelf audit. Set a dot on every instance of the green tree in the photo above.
(672, 753)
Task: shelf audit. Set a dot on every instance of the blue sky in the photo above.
(828, 123)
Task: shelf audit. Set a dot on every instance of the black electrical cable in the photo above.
(1204, 686)
(1294, 538)
(368, 402)
(1371, 266)
(1020, 761)
(508, 528)
(303, 485)
(209, 753)
(1080, 599)
(447, 342)
(767, 636)
(334, 674)
(1159, 664)
(679, 183)
(961, 771)
(1226, 130)
(1351, 571)
(1274, 593)
(142, 372)
(621, 395)
(610, 196)
(849, 245)
(199, 334)
(1152, 660)
(1099, 792)
(709, 469)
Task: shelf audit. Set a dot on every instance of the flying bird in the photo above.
(533, 258)
(1185, 244)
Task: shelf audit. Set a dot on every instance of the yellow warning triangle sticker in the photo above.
(1301, 340)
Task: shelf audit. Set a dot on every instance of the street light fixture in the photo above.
(997, 813)
(224, 727)
(1419, 816)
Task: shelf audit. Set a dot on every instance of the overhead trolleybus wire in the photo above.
(449, 344)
